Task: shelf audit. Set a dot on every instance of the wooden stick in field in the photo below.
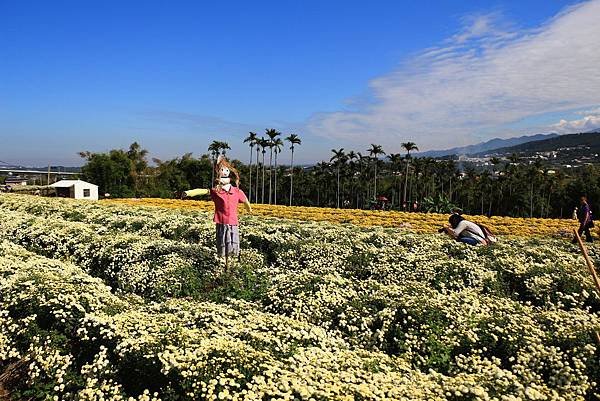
(588, 261)
(591, 268)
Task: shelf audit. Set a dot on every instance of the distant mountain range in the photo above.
(572, 144)
(492, 144)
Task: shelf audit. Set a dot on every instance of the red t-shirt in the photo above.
(226, 204)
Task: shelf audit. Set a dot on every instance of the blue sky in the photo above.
(177, 75)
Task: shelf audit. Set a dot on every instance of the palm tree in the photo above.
(224, 147)
(293, 139)
(352, 156)
(320, 170)
(137, 157)
(258, 147)
(363, 162)
(338, 158)
(494, 161)
(395, 159)
(374, 152)
(408, 146)
(277, 145)
(251, 139)
(214, 148)
(272, 134)
(471, 181)
(263, 143)
(532, 174)
(484, 181)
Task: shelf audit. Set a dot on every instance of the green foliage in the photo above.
(112, 173)
(373, 313)
(507, 187)
(437, 204)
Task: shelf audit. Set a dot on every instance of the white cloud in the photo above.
(478, 82)
(594, 112)
(587, 123)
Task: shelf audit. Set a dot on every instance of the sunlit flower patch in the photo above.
(416, 222)
(108, 301)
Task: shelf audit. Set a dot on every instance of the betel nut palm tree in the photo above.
(375, 151)
(338, 158)
(294, 140)
(272, 134)
(408, 146)
(251, 140)
(277, 146)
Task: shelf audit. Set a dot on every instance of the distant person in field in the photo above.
(584, 215)
(466, 231)
(226, 198)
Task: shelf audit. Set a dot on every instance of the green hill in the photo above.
(564, 147)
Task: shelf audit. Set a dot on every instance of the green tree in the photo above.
(224, 147)
(395, 160)
(111, 171)
(338, 158)
(263, 143)
(214, 148)
(169, 178)
(272, 134)
(408, 146)
(257, 142)
(375, 151)
(251, 140)
(352, 158)
(277, 146)
(139, 165)
(294, 140)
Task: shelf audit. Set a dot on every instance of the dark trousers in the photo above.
(585, 229)
(469, 240)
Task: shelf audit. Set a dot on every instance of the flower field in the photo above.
(415, 222)
(105, 301)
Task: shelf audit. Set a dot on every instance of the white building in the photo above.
(76, 189)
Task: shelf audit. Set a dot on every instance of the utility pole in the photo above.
(48, 174)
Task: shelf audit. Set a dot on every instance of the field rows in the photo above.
(423, 223)
(109, 301)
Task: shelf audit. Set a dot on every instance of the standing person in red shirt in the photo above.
(226, 198)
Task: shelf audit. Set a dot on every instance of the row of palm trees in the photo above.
(273, 142)
(340, 158)
(215, 149)
(511, 187)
